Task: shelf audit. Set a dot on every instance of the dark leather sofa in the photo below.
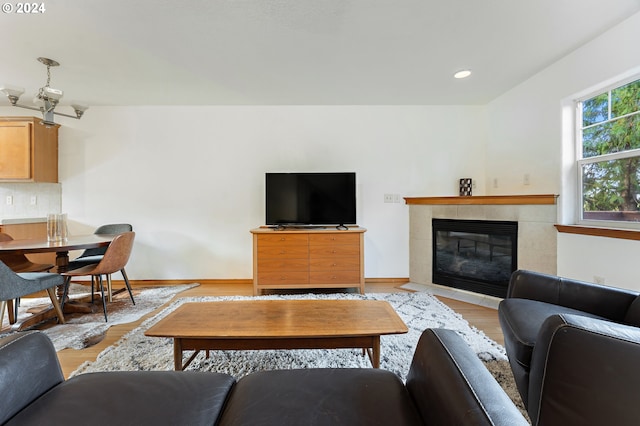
(447, 385)
(574, 348)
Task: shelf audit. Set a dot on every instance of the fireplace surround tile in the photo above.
(512, 213)
(420, 223)
(472, 212)
(537, 236)
(443, 211)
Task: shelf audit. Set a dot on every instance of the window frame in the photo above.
(581, 161)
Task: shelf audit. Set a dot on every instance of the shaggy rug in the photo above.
(83, 330)
(419, 311)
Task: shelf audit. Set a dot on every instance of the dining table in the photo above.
(62, 249)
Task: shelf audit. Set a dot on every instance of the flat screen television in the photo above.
(310, 199)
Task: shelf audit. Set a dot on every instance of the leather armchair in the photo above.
(532, 298)
(585, 371)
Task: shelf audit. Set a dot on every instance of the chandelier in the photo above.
(47, 98)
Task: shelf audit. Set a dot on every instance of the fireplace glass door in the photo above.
(475, 255)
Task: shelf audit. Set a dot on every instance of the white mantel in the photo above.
(535, 214)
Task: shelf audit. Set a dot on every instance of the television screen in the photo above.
(310, 198)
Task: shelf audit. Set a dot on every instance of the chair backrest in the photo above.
(114, 228)
(109, 229)
(7, 282)
(117, 254)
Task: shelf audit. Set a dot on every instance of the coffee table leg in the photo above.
(375, 358)
(177, 354)
(373, 351)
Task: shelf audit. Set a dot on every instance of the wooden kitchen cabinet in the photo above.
(308, 258)
(28, 150)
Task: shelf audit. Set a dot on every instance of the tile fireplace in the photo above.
(535, 247)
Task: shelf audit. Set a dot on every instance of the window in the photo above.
(609, 155)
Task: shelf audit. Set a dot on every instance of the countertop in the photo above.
(22, 220)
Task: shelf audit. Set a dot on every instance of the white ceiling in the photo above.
(311, 52)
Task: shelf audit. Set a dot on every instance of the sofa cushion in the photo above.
(320, 397)
(521, 319)
(28, 368)
(632, 317)
(131, 398)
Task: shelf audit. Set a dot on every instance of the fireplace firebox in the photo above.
(475, 255)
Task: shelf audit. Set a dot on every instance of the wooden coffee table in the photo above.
(278, 324)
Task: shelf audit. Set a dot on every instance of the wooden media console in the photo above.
(293, 258)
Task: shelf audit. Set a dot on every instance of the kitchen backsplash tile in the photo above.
(48, 199)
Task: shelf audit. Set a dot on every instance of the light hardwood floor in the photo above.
(483, 318)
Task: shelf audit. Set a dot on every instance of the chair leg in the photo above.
(104, 302)
(16, 305)
(67, 282)
(56, 304)
(109, 289)
(3, 304)
(126, 282)
(11, 312)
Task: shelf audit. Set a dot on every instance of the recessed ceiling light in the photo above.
(462, 74)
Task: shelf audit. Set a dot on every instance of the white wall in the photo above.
(526, 135)
(190, 179)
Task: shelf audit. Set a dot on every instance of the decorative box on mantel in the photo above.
(536, 216)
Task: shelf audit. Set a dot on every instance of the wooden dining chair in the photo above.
(113, 260)
(15, 285)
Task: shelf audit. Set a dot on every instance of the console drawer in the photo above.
(335, 264)
(276, 239)
(334, 238)
(282, 265)
(284, 251)
(334, 277)
(334, 251)
(287, 278)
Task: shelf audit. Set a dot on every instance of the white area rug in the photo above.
(81, 329)
(419, 311)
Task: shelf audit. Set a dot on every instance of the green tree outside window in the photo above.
(610, 163)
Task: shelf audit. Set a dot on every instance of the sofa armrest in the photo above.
(601, 300)
(585, 371)
(29, 367)
(450, 385)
